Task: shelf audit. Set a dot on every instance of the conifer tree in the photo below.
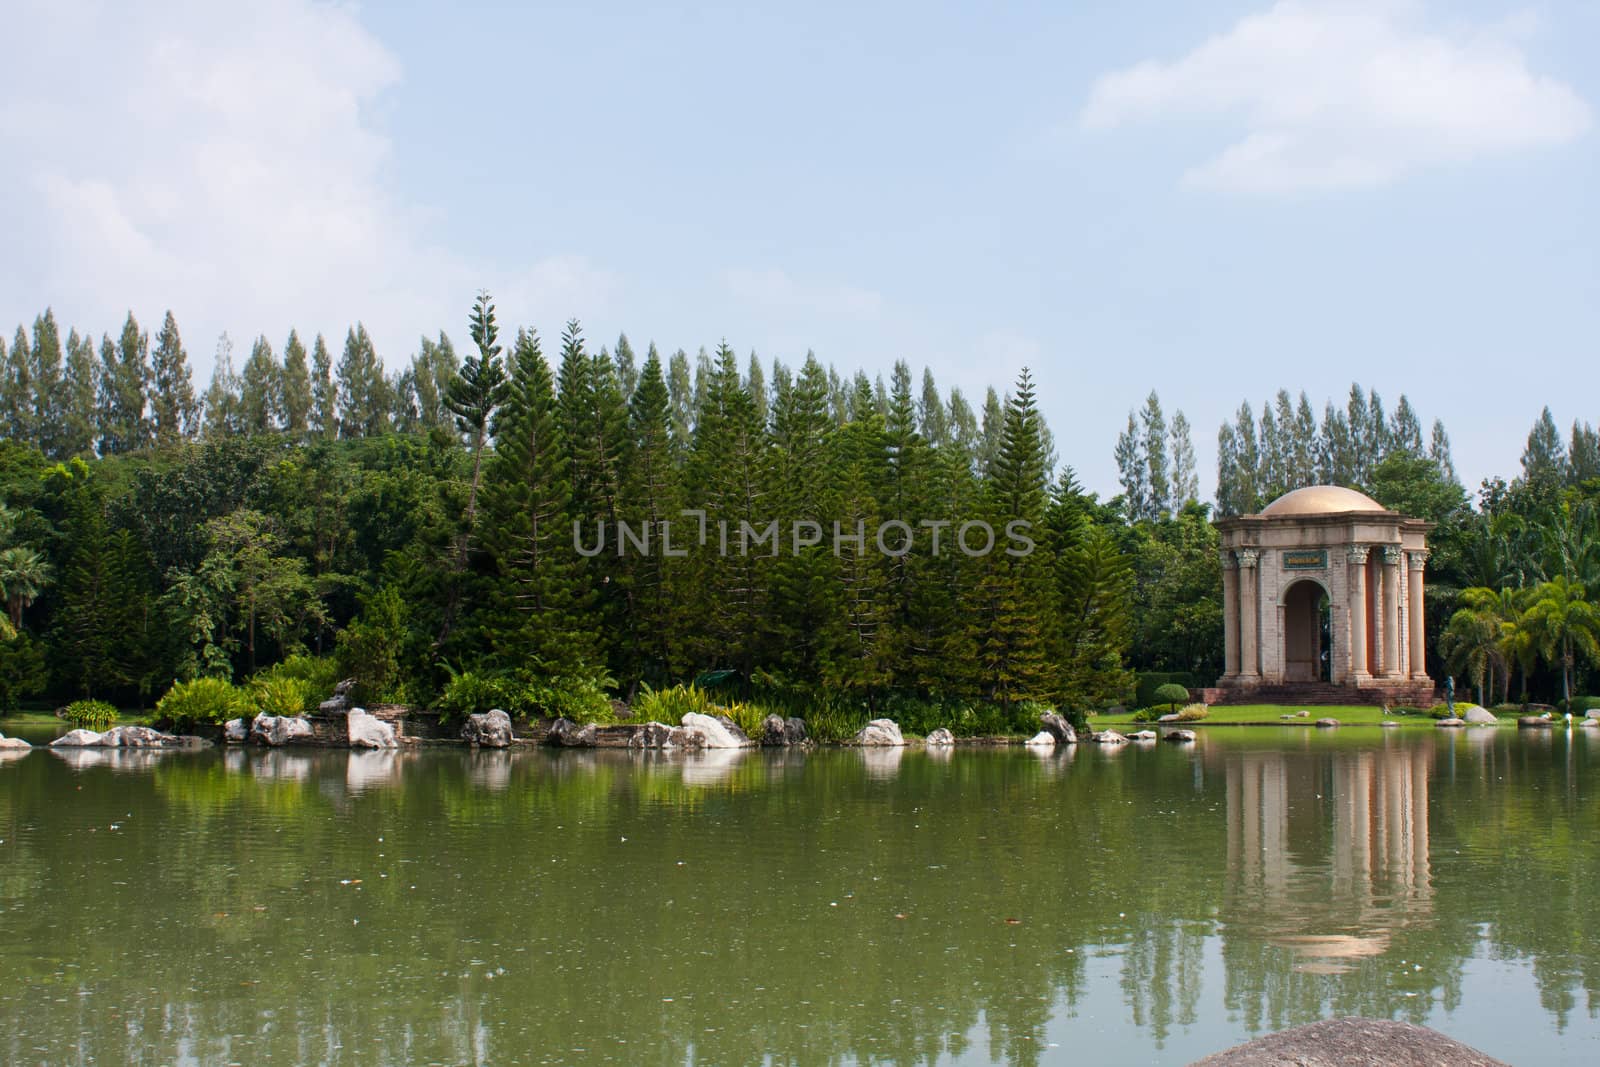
(625, 366)
(1228, 473)
(1583, 454)
(1153, 426)
(260, 390)
(1544, 461)
(931, 417)
(222, 409)
(961, 428)
(173, 409)
(541, 618)
(1405, 432)
(650, 498)
(680, 391)
(1133, 470)
(472, 397)
(16, 390)
(296, 386)
(363, 392)
(1439, 452)
(78, 397)
(324, 392)
(991, 432)
(47, 398)
(125, 378)
(755, 383)
(1185, 481)
(1248, 494)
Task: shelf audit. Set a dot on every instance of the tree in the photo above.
(173, 409)
(1544, 461)
(1563, 625)
(472, 397)
(1153, 423)
(261, 390)
(79, 411)
(324, 392)
(48, 409)
(1133, 470)
(932, 420)
(222, 408)
(24, 573)
(125, 378)
(296, 387)
(1185, 482)
(363, 393)
(16, 390)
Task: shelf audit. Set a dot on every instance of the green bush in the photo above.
(1194, 713)
(1171, 694)
(561, 697)
(320, 673)
(670, 705)
(282, 696)
(1150, 681)
(471, 692)
(1580, 705)
(204, 700)
(94, 715)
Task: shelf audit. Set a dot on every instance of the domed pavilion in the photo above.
(1322, 602)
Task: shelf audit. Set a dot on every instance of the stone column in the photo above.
(1249, 612)
(1230, 614)
(1391, 611)
(1419, 647)
(1356, 608)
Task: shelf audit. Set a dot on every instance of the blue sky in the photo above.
(1209, 200)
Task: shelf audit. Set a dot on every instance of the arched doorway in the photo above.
(1305, 632)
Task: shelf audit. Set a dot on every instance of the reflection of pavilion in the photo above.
(1327, 853)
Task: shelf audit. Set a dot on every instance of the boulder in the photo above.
(136, 737)
(776, 730)
(1450, 723)
(236, 731)
(369, 731)
(565, 733)
(77, 739)
(689, 738)
(1533, 722)
(1478, 716)
(719, 730)
(1058, 728)
(278, 730)
(1591, 722)
(1348, 1041)
(1042, 739)
(652, 735)
(1389, 725)
(1174, 716)
(1109, 737)
(1595, 715)
(940, 737)
(1142, 735)
(13, 744)
(1302, 714)
(490, 729)
(1327, 723)
(880, 732)
(1178, 735)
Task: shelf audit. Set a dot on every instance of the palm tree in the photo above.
(23, 576)
(1561, 621)
(1472, 641)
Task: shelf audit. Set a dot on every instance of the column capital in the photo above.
(1357, 553)
(1248, 556)
(1391, 554)
(1418, 560)
(1228, 562)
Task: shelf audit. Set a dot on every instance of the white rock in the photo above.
(941, 736)
(367, 731)
(13, 743)
(1475, 715)
(77, 739)
(717, 734)
(279, 729)
(880, 732)
(1142, 735)
(490, 729)
(1042, 739)
(1110, 737)
(236, 731)
(136, 737)
(1178, 735)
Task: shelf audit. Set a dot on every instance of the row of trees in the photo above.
(425, 527)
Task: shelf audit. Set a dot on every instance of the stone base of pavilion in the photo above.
(1395, 692)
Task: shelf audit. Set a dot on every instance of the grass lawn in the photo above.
(1269, 714)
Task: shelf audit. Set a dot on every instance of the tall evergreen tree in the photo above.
(125, 378)
(324, 392)
(16, 390)
(1544, 461)
(1405, 430)
(991, 432)
(296, 386)
(79, 412)
(931, 417)
(1583, 454)
(1185, 480)
(680, 390)
(1153, 425)
(47, 397)
(173, 409)
(626, 366)
(363, 391)
(1133, 470)
(261, 390)
(472, 397)
(222, 409)
(1439, 452)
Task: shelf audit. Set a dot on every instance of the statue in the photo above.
(1450, 693)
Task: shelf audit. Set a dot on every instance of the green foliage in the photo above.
(283, 695)
(204, 700)
(672, 704)
(1151, 681)
(90, 714)
(319, 673)
(474, 692)
(1194, 713)
(1171, 694)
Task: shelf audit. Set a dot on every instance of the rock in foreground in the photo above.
(368, 731)
(1058, 728)
(939, 738)
(17, 743)
(776, 730)
(1042, 739)
(880, 733)
(490, 729)
(278, 730)
(1479, 716)
(1450, 723)
(564, 733)
(1352, 1043)
(719, 731)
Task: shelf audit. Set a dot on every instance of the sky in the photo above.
(1213, 201)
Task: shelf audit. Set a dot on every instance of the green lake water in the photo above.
(1149, 905)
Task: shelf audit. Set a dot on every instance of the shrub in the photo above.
(94, 715)
(1580, 705)
(748, 717)
(562, 697)
(204, 700)
(282, 696)
(1194, 713)
(1171, 694)
(671, 705)
(320, 673)
(1150, 681)
(471, 692)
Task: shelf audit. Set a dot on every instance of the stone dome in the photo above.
(1321, 500)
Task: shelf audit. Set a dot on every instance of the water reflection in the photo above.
(882, 762)
(116, 759)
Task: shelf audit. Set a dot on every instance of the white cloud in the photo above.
(1352, 94)
(227, 162)
(776, 291)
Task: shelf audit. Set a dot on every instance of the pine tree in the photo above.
(78, 397)
(1303, 445)
(992, 431)
(125, 378)
(962, 428)
(1249, 496)
(680, 391)
(1439, 452)
(363, 392)
(1228, 474)
(650, 499)
(1185, 480)
(472, 397)
(931, 417)
(222, 409)
(1405, 431)
(625, 366)
(16, 390)
(173, 410)
(1362, 450)
(47, 397)
(541, 619)
(260, 390)
(296, 387)
(755, 383)
(1336, 464)
(1133, 470)
(1583, 454)
(1544, 461)
(324, 392)
(1153, 425)
(1270, 464)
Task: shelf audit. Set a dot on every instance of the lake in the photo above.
(1148, 905)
